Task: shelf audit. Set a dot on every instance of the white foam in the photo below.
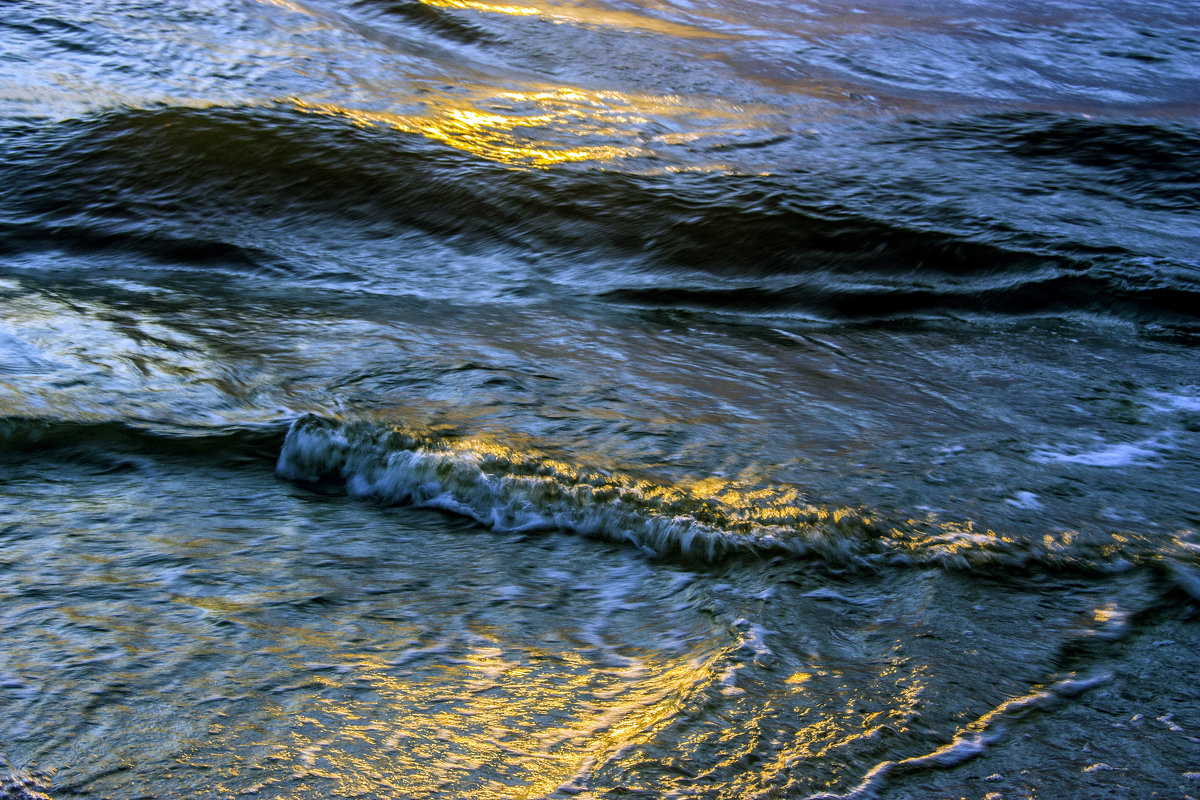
(1027, 500)
(1168, 401)
(1125, 454)
(970, 741)
(510, 491)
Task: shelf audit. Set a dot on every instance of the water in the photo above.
(599, 399)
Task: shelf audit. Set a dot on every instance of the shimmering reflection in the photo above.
(710, 444)
(332, 651)
(488, 135)
(288, 644)
(515, 116)
(541, 126)
(483, 715)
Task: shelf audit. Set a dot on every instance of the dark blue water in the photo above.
(443, 398)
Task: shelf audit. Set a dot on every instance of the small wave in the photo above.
(507, 490)
(835, 295)
(115, 442)
(511, 490)
(156, 247)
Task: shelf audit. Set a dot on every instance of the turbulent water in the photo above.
(599, 398)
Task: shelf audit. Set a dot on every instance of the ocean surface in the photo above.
(599, 399)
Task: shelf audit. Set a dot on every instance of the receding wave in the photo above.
(509, 490)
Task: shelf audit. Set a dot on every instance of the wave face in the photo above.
(605, 398)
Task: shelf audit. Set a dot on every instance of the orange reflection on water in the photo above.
(543, 125)
(499, 720)
(510, 139)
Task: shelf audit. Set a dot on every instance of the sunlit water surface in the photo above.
(441, 398)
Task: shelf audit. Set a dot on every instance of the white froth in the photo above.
(1168, 401)
(1027, 500)
(1124, 454)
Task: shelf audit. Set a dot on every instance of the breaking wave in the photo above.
(508, 490)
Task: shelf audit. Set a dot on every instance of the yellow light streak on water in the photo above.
(505, 719)
(497, 137)
(543, 125)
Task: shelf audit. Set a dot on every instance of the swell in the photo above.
(209, 185)
(174, 164)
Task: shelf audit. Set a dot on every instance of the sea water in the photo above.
(599, 398)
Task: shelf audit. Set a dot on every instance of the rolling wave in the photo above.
(226, 185)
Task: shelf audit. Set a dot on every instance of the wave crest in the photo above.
(509, 490)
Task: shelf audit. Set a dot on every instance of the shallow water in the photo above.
(627, 399)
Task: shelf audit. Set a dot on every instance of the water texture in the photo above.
(599, 398)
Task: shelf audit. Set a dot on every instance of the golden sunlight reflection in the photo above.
(488, 135)
(1108, 613)
(496, 719)
(542, 125)
(514, 118)
(488, 713)
(864, 712)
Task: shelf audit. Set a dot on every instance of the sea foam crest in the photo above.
(509, 490)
